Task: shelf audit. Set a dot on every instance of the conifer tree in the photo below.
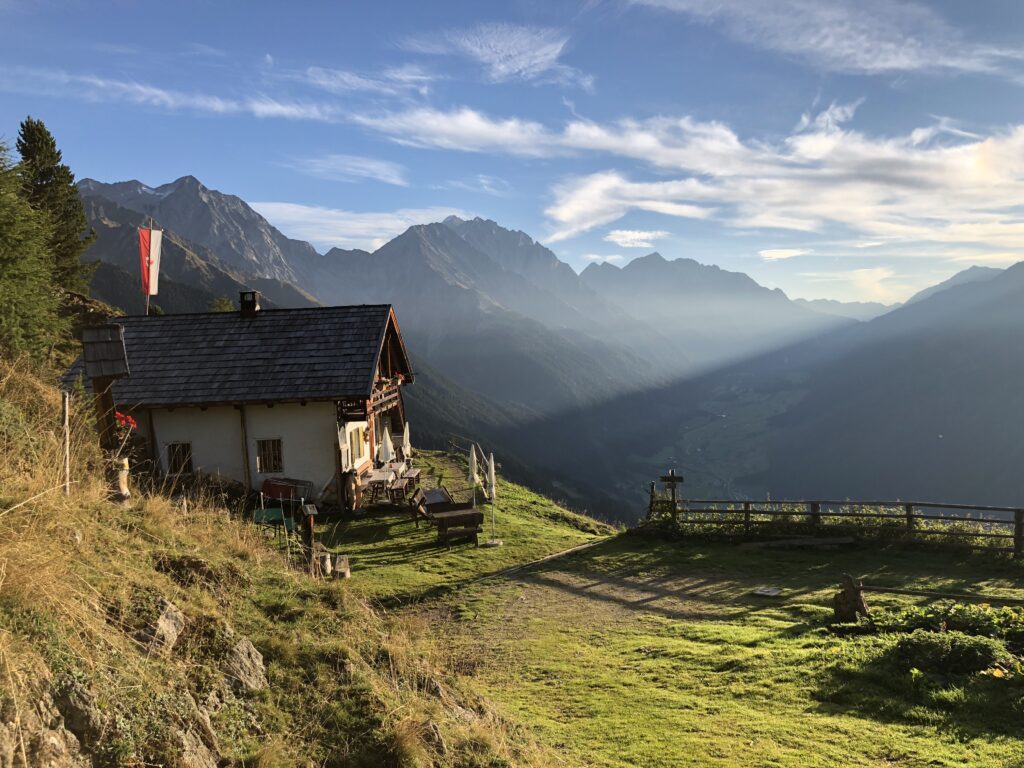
(29, 301)
(49, 186)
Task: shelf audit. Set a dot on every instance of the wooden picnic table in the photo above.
(379, 481)
(437, 496)
(458, 524)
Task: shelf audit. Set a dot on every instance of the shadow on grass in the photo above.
(963, 706)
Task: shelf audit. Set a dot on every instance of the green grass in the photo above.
(392, 558)
(638, 653)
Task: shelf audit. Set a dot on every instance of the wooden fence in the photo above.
(1001, 527)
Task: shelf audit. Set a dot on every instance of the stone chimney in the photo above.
(248, 303)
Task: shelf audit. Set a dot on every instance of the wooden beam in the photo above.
(103, 396)
(154, 446)
(245, 450)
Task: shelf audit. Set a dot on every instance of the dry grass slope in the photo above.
(81, 578)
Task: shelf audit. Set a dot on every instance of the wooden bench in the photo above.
(460, 521)
(398, 490)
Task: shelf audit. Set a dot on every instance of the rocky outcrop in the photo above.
(33, 733)
(163, 634)
(244, 667)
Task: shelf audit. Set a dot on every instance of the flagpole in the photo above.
(149, 263)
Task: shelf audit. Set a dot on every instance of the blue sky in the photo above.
(851, 149)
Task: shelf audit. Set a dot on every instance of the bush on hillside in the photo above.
(949, 652)
(1004, 623)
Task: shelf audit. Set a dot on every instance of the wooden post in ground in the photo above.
(650, 504)
(815, 513)
(65, 403)
(671, 480)
(1018, 533)
(909, 510)
(746, 517)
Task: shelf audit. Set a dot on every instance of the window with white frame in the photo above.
(268, 456)
(355, 444)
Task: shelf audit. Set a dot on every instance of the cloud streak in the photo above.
(849, 36)
(635, 238)
(85, 87)
(506, 52)
(779, 254)
(333, 227)
(351, 168)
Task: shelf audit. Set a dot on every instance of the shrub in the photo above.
(1004, 623)
(949, 652)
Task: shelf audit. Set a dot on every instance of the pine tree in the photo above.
(49, 186)
(29, 301)
(220, 304)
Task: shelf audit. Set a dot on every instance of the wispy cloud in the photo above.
(601, 258)
(394, 81)
(778, 254)
(507, 52)
(591, 201)
(332, 227)
(856, 36)
(86, 87)
(351, 168)
(481, 182)
(463, 129)
(635, 238)
(202, 49)
(882, 284)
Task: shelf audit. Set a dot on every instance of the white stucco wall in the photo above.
(308, 435)
(215, 434)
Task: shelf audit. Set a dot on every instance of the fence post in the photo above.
(1018, 533)
(909, 509)
(65, 419)
(650, 504)
(815, 512)
(746, 517)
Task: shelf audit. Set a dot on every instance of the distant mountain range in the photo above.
(852, 310)
(588, 385)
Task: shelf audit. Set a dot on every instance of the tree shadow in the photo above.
(964, 707)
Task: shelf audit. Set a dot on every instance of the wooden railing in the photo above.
(913, 521)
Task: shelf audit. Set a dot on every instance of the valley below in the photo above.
(587, 386)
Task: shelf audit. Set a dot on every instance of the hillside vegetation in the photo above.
(633, 651)
(85, 662)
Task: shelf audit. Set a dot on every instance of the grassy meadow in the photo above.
(642, 653)
(393, 558)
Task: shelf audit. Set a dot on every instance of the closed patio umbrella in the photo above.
(492, 488)
(406, 443)
(386, 450)
(472, 465)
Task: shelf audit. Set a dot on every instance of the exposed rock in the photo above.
(194, 752)
(35, 731)
(204, 726)
(82, 715)
(244, 665)
(162, 636)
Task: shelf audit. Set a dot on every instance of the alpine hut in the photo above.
(259, 394)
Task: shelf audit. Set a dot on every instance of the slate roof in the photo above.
(316, 353)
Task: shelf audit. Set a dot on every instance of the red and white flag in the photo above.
(150, 241)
